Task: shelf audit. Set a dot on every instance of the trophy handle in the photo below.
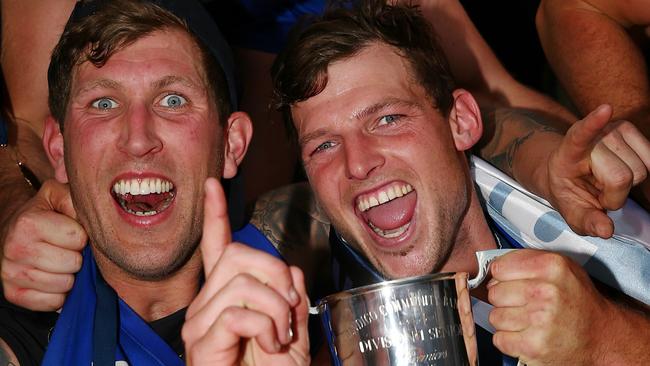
(484, 259)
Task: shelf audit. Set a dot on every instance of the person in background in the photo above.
(143, 124)
(383, 131)
(472, 62)
(598, 51)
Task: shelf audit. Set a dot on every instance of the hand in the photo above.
(594, 169)
(547, 311)
(252, 309)
(42, 250)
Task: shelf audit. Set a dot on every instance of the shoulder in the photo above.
(291, 219)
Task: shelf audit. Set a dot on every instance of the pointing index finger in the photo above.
(216, 226)
(582, 135)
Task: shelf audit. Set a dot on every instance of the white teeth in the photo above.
(383, 196)
(142, 186)
(391, 193)
(389, 234)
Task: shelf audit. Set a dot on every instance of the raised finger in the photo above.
(245, 291)
(583, 134)
(216, 225)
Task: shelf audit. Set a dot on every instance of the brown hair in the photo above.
(114, 25)
(300, 71)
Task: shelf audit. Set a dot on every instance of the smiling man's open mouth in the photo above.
(388, 211)
(143, 196)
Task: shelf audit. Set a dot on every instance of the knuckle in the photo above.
(243, 280)
(544, 292)
(541, 319)
(231, 317)
(554, 265)
(620, 177)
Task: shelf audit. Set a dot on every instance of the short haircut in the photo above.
(343, 31)
(111, 27)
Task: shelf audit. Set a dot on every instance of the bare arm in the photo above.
(15, 190)
(7, 357)
(30, 30)
(588, 44)
(476, 68)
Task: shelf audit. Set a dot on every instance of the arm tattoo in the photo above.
(290, 218)
(506, 130)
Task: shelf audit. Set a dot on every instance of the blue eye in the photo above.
(324, 146)
(391, 118)
(173, 101)
(104, 104)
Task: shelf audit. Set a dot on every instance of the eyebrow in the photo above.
(362, 114)
(311, 136)
(173, 79)
(379, 106)
(159, 84)
(100, 83)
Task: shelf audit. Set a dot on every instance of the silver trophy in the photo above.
(424, 320)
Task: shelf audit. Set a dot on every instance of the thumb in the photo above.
(594, 222)
(216, 225)
(582, 136)
(56, 196)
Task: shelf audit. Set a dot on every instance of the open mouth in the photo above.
(143, 196)
(388, 211)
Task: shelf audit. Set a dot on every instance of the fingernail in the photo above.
(293, 296)
(491, 283)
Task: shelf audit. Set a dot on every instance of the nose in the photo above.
(362, 158)
(138, 136)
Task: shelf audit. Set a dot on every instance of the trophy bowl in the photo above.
(424, 320)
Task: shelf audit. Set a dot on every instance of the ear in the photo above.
(237, 137)
(465, 120)
(53, 144)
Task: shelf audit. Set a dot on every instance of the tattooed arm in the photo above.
(582, 173)
(515, 138)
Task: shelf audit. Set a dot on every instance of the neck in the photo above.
(473, 235)
(153, 300)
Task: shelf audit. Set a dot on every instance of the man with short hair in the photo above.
(383, 133)
(143, 121)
